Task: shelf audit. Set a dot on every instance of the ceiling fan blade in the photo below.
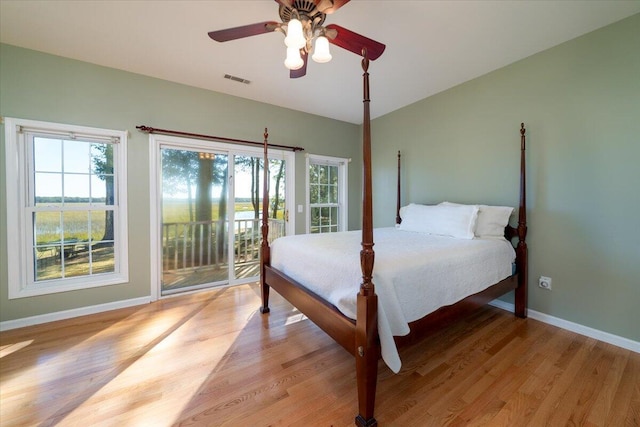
(330, 6)
(244, 31)
(302, 71)
(354, 42)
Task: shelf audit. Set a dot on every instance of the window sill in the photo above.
(51, 287)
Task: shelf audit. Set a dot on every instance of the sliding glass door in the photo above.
(210, 204)
(195, 228)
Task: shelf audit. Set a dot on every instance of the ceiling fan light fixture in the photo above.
(293, 61)
(295, 36)
(321, 52)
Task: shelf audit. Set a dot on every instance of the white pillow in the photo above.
(491, 219)
(454, 221)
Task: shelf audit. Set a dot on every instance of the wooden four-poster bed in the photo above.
(361, 337)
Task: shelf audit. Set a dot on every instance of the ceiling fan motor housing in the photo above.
(305, 8)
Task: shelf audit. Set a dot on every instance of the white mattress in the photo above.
(414, 273)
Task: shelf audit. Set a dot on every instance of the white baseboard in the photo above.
(574, 327)
(68, 314)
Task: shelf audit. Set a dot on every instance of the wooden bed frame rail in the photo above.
(360, 337)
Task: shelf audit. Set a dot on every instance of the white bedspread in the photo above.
(414, 273)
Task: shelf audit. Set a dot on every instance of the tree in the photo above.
(252, 165)
(255, 186)
(276, 197)
(203, 189)
(184, 170)
(102, 155)
(179, 174)
(222, 175)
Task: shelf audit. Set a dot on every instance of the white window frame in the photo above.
(20, 256)
(343, 185)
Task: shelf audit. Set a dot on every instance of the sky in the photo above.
(52, 157)
(67, 165)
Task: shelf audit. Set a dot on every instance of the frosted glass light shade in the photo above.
(295, 37)
(293, 60)
(321, 50)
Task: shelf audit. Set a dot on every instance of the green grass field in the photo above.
(76, 226)
(177, 210)
(76, 223)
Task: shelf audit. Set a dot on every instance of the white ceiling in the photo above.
(431, 45)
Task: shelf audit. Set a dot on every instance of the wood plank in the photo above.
(212, 359)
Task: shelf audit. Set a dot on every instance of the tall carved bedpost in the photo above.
(367, 348)
(265, 251)
(521, 248)
(398, 218)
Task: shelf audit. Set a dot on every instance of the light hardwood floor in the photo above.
(211, 359)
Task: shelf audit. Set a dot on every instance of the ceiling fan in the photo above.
(302, 25)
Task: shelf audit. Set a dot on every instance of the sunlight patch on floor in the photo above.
(150, 367)
(6, 350)
(171, 382)
(295, 317)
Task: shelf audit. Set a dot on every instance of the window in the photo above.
(326, 194)
(66, 210)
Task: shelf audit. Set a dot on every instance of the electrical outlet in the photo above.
(545, 282)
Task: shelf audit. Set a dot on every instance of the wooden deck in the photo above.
(177, 279)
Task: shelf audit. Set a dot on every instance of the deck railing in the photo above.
(190, 245)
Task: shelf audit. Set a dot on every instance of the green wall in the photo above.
(580, 102)
(43, 87)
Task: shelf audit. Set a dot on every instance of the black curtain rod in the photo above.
(148, 129)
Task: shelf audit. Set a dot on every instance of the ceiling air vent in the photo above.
(236, 79)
